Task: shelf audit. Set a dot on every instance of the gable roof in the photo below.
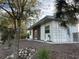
(46, 19)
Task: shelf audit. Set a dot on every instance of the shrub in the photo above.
(43, 54)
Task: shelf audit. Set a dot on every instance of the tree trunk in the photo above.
(17, 38)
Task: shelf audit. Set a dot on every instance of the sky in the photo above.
(47, 7)
(5, 6)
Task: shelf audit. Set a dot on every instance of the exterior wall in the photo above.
(57, 33)
(43, 35)
(73, 29)
(78, 27)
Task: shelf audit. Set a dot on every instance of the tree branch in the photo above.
(6, 11)
(11, 7)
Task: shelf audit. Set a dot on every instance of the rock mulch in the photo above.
(57, 51)
(26, 53)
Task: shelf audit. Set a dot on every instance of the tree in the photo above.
(16, 10)
(6, 29)
(7, 35)
(67, 12)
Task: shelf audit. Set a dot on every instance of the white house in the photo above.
(49, 29)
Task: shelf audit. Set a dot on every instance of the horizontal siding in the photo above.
(58, 34)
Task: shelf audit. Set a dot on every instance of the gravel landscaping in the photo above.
(26, 53)
(57, 51)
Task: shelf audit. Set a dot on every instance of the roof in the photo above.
(46, 19)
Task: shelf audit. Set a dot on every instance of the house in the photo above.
(49, 29)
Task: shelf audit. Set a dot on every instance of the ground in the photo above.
(58, 51)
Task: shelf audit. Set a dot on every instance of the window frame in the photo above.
(47, 29)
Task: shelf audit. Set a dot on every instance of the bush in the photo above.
(43, 54)
(7, 35)
(27, 35)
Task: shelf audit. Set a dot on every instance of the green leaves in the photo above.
(67, 11)
(7, 34)
(2, 1)
(43, 54)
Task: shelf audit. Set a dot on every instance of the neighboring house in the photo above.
(49, 29)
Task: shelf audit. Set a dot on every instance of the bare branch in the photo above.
(11, 7)
(6, 11)
(22, 7)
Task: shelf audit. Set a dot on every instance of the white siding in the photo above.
(58, 34)
(42, 35)
(73, 29)
(78, 27)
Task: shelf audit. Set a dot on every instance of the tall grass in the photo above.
(43, 53)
